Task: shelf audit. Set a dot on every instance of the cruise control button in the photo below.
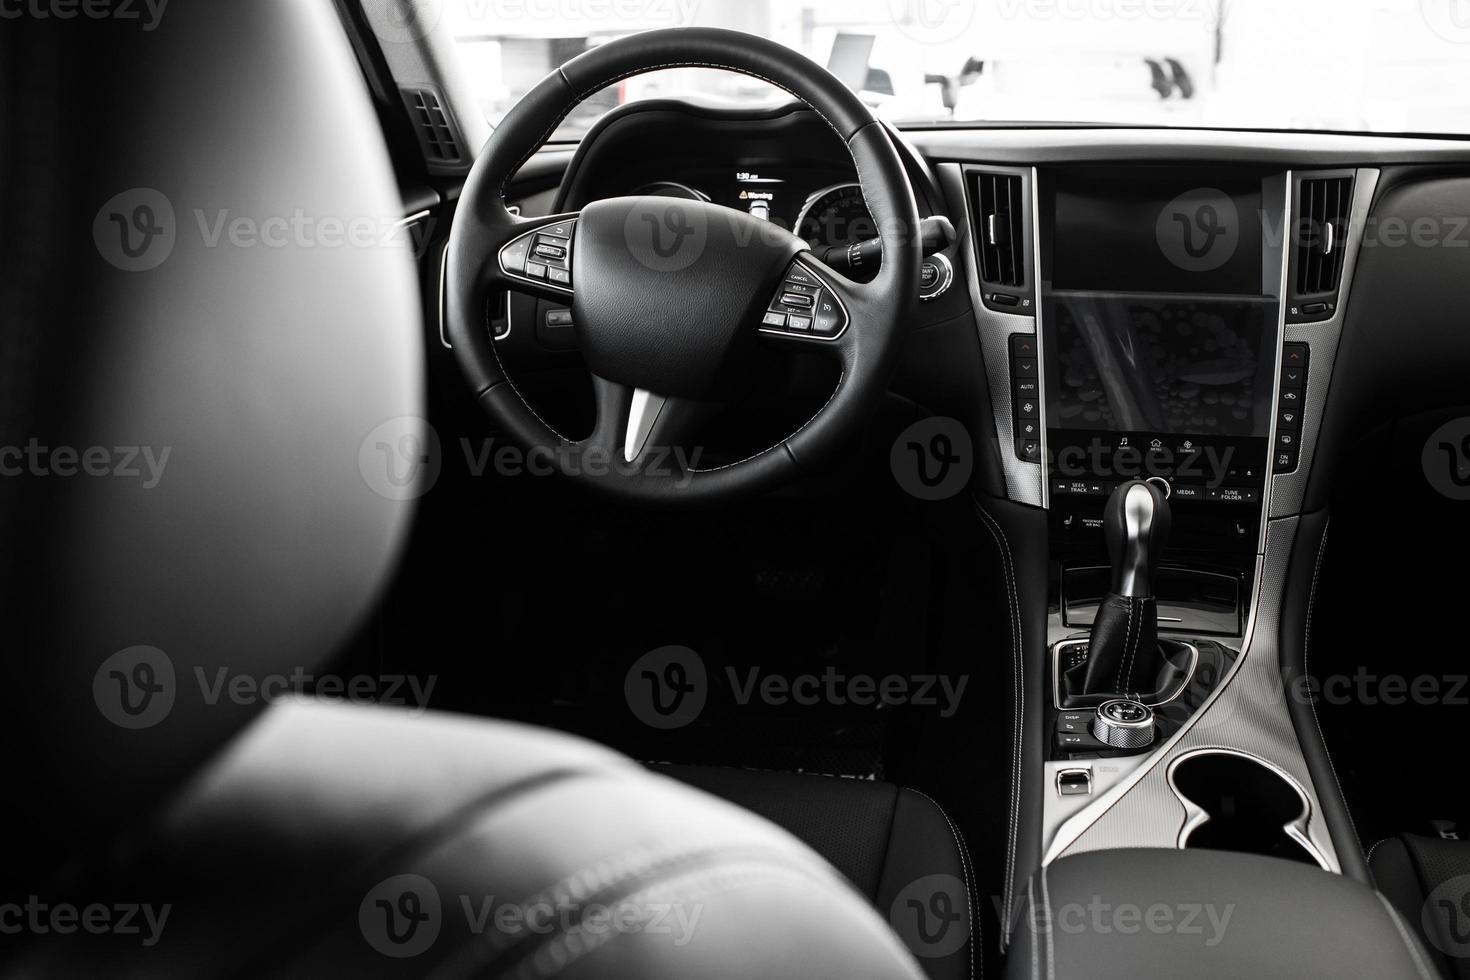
(536, 270)
(801, 276)
(797, 299)
(801, 323)
(561, 277)
(545, 251)
(774, 319)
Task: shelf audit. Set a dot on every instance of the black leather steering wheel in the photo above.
(669, 297)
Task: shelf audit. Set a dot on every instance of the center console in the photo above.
(1158, 338)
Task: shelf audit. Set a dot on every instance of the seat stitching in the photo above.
(1051, 952)
(1019, 692)
(976, 934)
(1035, 939)
(1369, 858)
(1408, 940)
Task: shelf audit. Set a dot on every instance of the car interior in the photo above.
(743, 539)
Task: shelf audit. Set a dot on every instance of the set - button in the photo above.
(1290, 407)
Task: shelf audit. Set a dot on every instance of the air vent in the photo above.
(437, 135)
(1321, 233)
(1000, 236)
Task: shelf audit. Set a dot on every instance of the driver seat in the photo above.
(173, 825)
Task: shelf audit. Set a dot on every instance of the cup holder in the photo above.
(1237, 802)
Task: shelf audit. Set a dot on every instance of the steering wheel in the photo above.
(670, 297)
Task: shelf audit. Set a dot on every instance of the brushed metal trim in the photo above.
(1296, 828)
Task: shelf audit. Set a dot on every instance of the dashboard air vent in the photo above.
(1321, 233)
(1000, 233)
(437, 135)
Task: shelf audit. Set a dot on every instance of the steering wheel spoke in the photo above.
(637, 429)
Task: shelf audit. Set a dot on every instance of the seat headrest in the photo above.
(209, 332)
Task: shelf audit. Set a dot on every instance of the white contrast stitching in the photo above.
(1408, 940)
(976, 933)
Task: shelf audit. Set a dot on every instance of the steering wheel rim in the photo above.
(623, 311)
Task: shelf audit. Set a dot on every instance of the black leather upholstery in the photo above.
(1428, 881)
(1127, 914)
(352, 841)
(885, 839)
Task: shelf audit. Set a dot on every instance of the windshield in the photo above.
(1399, 66)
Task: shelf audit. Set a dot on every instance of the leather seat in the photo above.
(1428, 880)
(896, 846)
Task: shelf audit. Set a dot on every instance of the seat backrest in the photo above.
(205, 327)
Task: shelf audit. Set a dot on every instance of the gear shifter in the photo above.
(1124, 658)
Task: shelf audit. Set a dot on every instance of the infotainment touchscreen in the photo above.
(1160, 315)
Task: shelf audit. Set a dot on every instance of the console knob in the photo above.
(1124, 724)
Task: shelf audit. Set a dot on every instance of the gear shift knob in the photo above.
(1136, 525)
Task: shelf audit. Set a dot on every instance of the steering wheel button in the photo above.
(560, 230)
(800, 276)
(536, 270)
(559, 276)
(513, 256)
(547, 251)
(799, 323)
(774, 319)
(797, 299)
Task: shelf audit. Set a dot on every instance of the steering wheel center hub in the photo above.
(669, 291)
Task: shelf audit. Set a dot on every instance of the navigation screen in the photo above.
(1161, 364)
